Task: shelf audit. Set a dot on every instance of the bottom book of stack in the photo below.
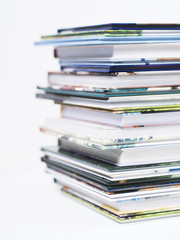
(123, 192)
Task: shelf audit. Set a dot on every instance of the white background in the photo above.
(31, 206)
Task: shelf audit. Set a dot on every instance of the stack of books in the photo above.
(118, 133)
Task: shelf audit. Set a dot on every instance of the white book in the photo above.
(119, 118)
(120, 51)
(140, 154)
(108, 135)
(118, 81)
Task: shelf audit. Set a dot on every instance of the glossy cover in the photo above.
(106, 94)
(125, 26)
(114, 68)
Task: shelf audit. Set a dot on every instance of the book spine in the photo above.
(55, 53)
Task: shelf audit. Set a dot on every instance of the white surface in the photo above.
(30, 205)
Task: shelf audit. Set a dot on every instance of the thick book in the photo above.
(128, 156)
(100, 82)
(102, 134)
(139, 52)
(122, 118)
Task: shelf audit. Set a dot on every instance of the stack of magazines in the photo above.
(118, 134)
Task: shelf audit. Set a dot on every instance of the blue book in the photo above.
(125, 26)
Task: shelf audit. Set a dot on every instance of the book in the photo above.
(109, 40)
(99, 82)
(101, 134)
(138, 154)
(111, 33)
(117, 95)
(101, 32)
(121, 118)
(120, 67)
(140, 52)
(126, 26)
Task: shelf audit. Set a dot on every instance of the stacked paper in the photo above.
(118, 133)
